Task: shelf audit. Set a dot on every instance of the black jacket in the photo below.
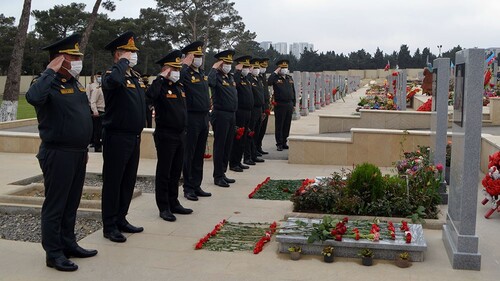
(244, 88)
(224, 94)
(169, 101)
(258, 91)
(284, 90)
(125, 100)
(196, 89)
(62, 110)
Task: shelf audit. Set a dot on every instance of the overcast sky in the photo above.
(345, 26)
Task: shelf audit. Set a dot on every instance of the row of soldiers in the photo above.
(180, 96)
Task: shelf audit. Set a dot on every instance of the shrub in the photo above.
(366, 182)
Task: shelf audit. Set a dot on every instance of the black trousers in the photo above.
(196, 141)
(282, 122)
(243, 118)
(97, 130)
(223, 123)
(262, 132)
(149, 116)
(119, 173)
(63, 175)
(255, 120)
(170, 153)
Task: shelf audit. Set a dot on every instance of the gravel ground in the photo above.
(145, 184)
(27, 227)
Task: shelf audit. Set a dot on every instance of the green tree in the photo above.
(7, 34)
(108, 5)
(216, 22)
(8, 110)
(451, 53)
(404, 57)
(60, 21)
(378, 59)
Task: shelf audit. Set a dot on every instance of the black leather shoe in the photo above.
(115, 236)
(79, 252)
(167, 215)
(236, 169)
(228, 180)
(244, 167)
(181, 210)
(221, 182)
(190, 196)
(201, 193)
(249, 162)
(128, 228)
(61, 263)
(285, 146)
(279, 148)
(262, 151)
(258, 160)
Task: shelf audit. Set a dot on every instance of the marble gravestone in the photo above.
(306, 89)
(317, 93)
(312, 91)
(401, 80)
(296, 76)
(439, 117)
(459, 232)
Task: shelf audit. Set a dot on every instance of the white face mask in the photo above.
(263, 70)
(133, 60)
(174, 76)
(255, 71)
(76, 68)
(226, 68)
(284, 71)
(99, 80)
(197, 62)
(245, 71)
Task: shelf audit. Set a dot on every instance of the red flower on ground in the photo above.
(408, 237)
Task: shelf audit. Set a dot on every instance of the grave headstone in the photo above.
(312, 91)
(459, 232)
(306, 88)
(439, 117)
(401, 80)
(317, 95)
(298, 88)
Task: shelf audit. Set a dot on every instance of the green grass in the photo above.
(278, 189)
(24, 109)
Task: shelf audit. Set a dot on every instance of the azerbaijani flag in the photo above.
(491, 58)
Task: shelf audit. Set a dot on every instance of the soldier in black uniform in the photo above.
(169, 101)
(225, 104)
(266, 107)
(284, 96)
(243, 114)
(251, 152)
(195, 84)
(123, 122)
(65, 126)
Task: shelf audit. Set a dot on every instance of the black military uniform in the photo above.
(169, 101)
(243, 115)
(65, 126)
(123, 122)
(251, 152)
(284, 96)
(266, 107)
(225, 104)
(195, 84)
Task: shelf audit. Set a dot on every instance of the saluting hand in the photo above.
(56, 63)
(277, 70)
(166, 73)
(217, 64)
(188, 60)
(239, 67)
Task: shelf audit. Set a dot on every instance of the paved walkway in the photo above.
(164, 251)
